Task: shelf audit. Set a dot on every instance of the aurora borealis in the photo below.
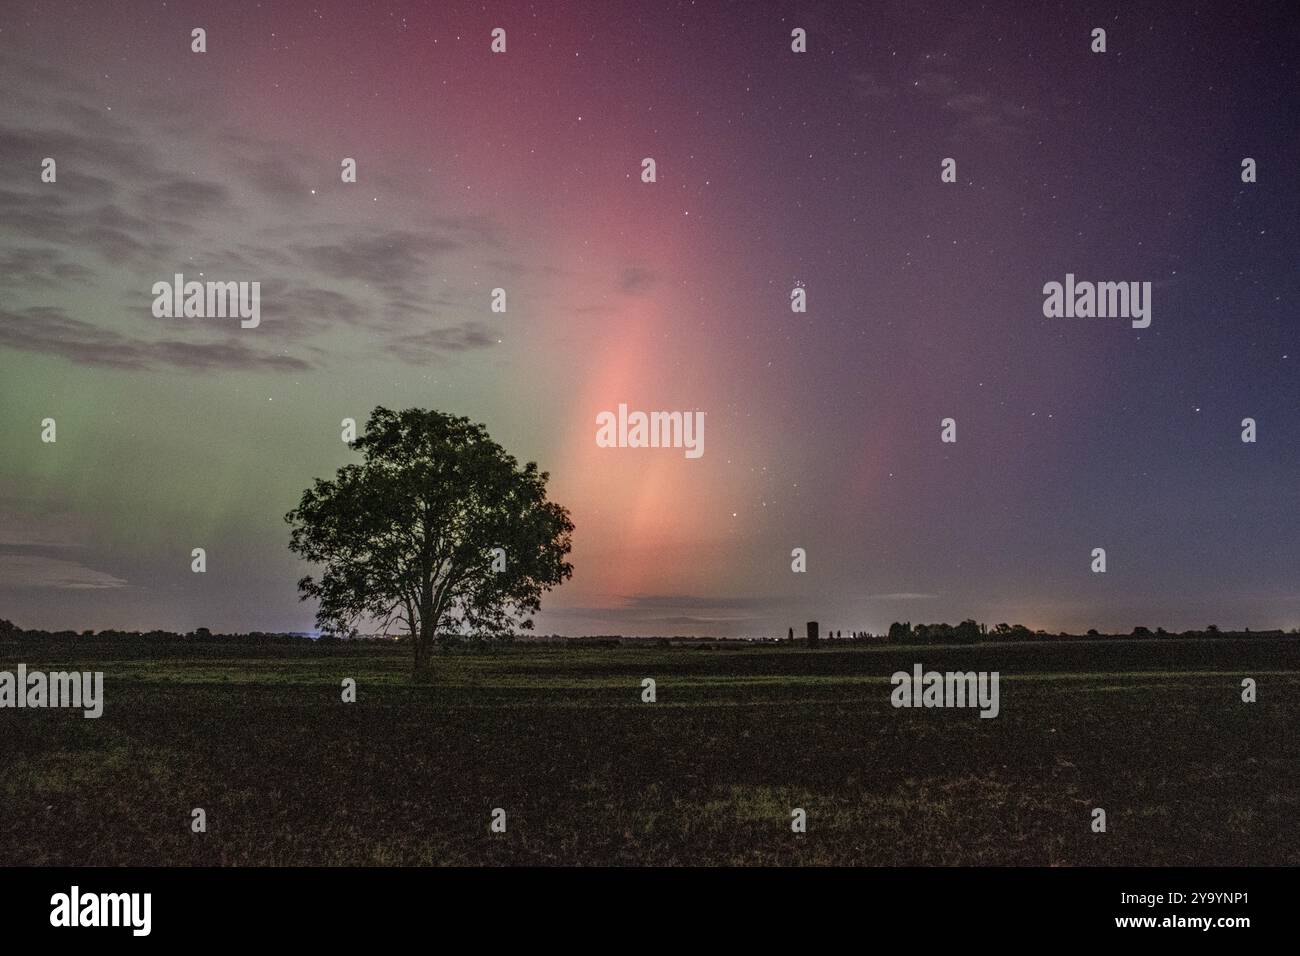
(775, 169)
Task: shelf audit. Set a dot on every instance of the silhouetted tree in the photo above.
(940, 633)
(410, 535)
(900, 633)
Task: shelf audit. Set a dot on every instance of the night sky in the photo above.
(522, 170)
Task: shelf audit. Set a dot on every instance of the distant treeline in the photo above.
(900, 632)
(9, 631)
(972, 632)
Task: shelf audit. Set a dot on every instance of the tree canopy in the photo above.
(438, 531)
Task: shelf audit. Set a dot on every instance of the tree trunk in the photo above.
(424, 643)
(424, 635)
(420, 655)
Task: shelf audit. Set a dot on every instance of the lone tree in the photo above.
(438, 529)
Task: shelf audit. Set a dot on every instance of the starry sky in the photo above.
(774, 169)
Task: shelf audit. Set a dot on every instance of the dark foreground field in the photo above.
(1154, 732)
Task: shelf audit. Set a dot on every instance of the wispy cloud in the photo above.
(636, 280)
(48, 330)
(931, 80)
(41, 571)
(140, 199)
